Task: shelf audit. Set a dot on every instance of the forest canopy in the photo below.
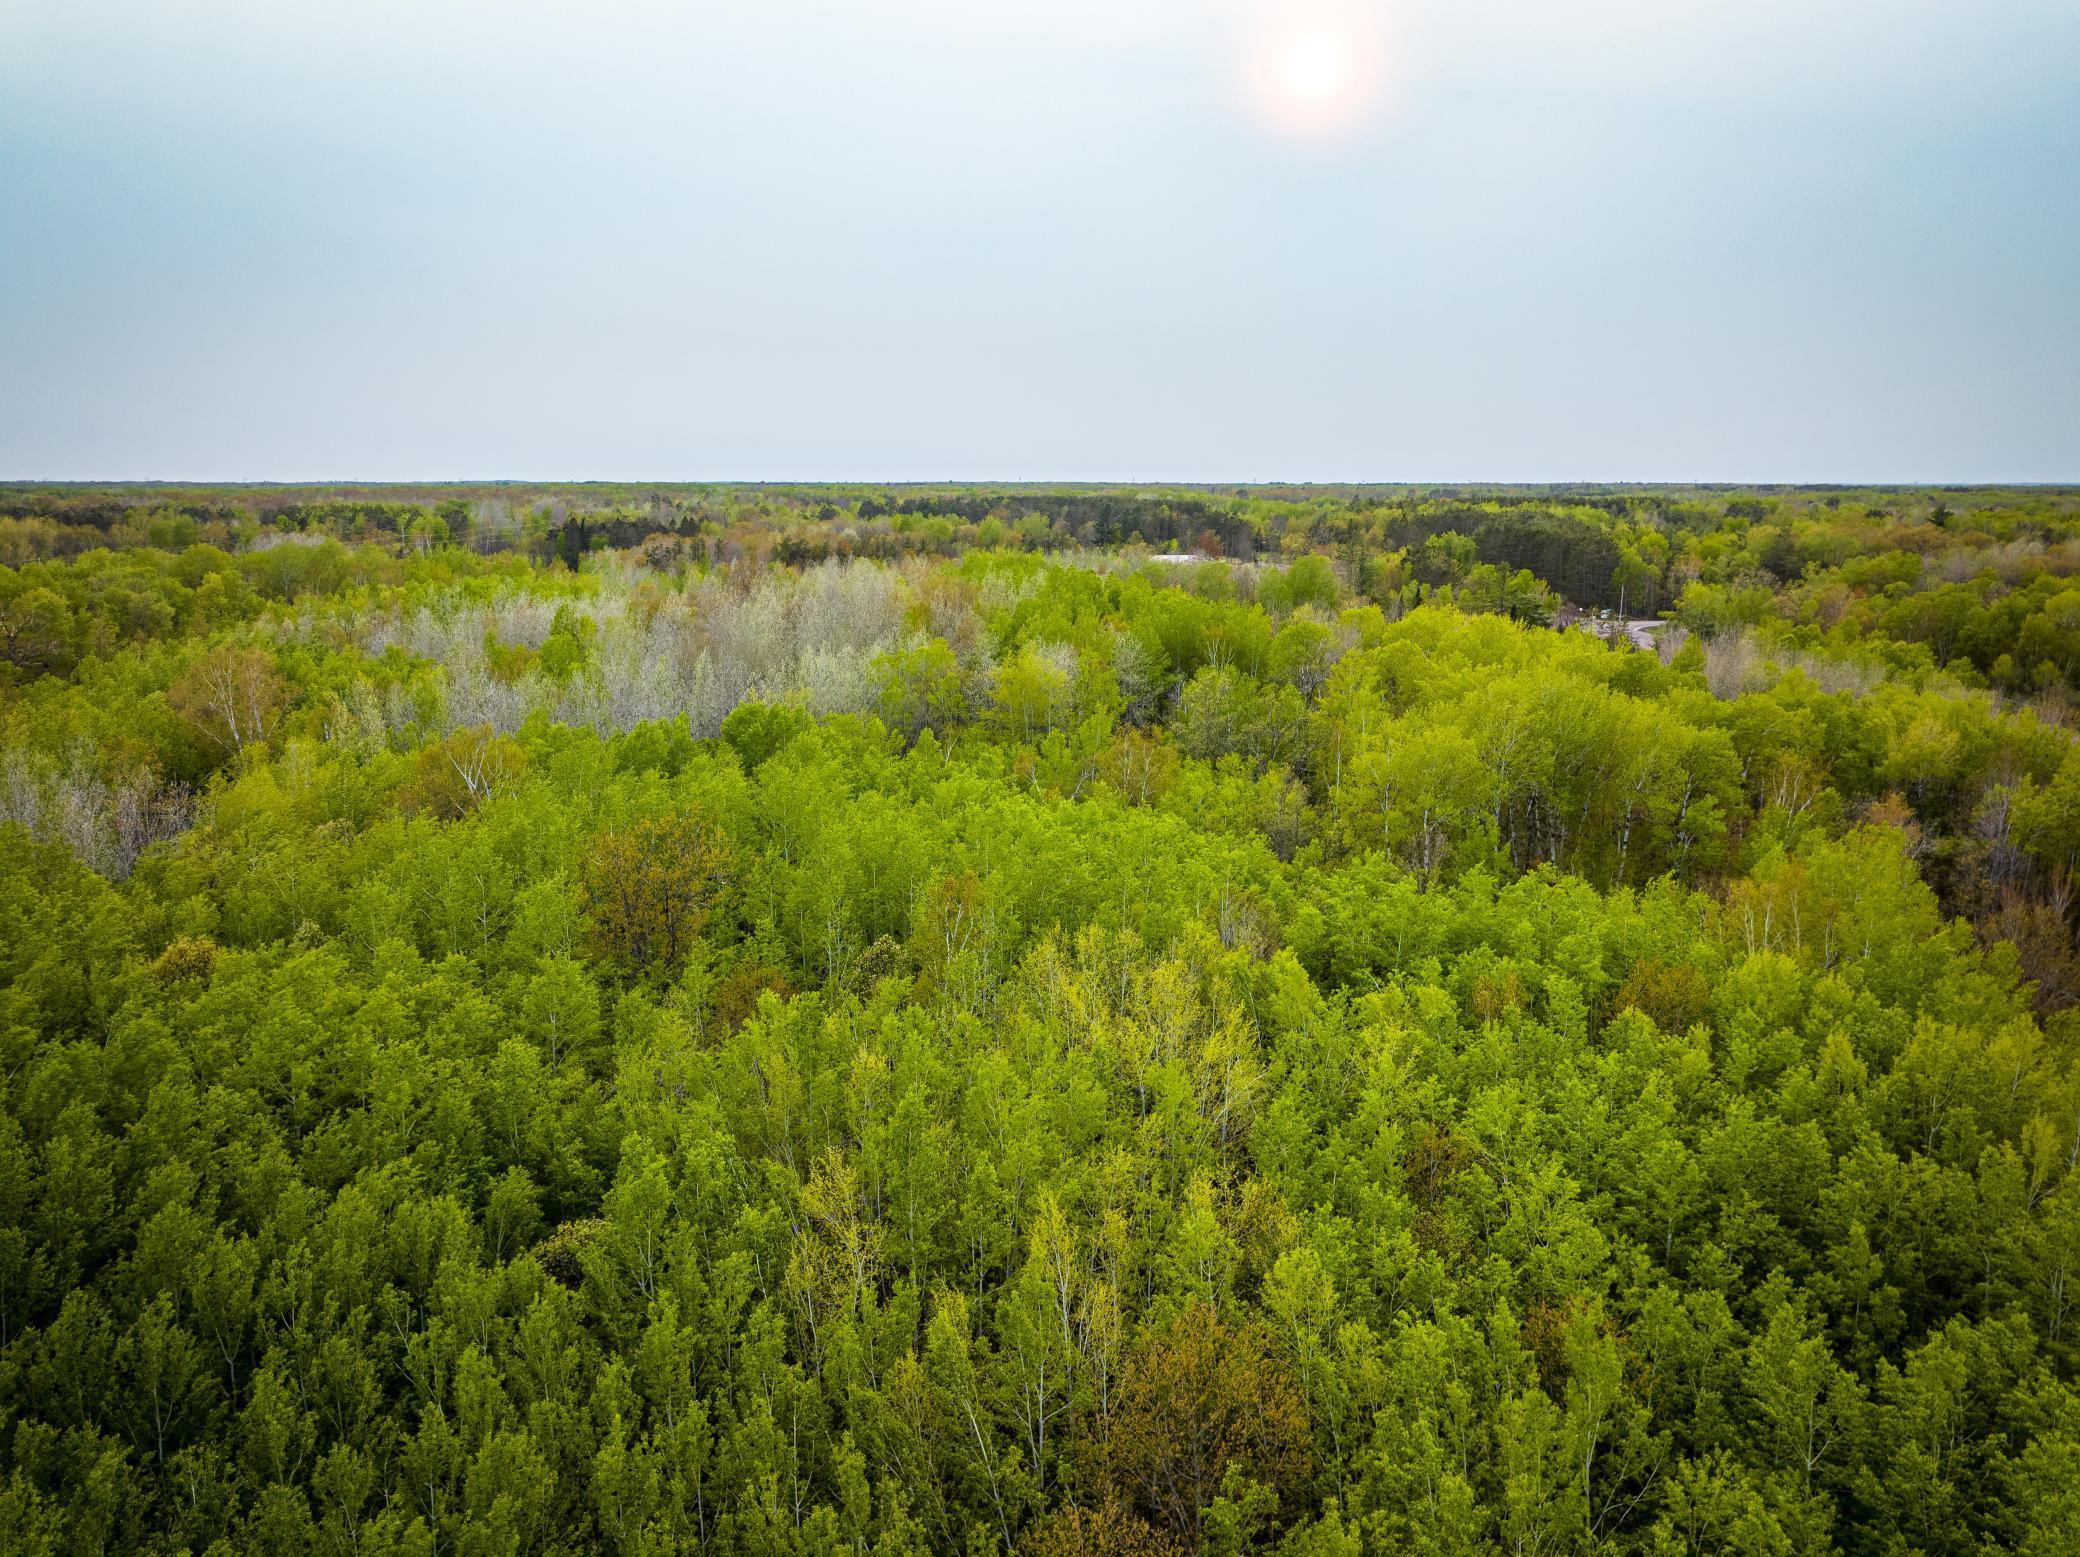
(1039, 1020)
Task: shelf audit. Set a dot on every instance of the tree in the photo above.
(459, 773)
(1198, 1400)
(649, 888)
(1806, 1404)
(922, 689)
(1302, 655)
(35, 625)
(230, 698)
(1033, 691)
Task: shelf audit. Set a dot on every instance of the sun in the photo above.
(1315, 67)
(1314, 70)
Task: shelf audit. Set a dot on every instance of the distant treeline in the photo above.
(1977, 575)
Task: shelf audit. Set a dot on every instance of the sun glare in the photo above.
(1314, 67)
(1315, 70)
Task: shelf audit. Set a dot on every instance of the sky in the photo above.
(1110, 240)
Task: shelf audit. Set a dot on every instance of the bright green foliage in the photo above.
(1013, 1055)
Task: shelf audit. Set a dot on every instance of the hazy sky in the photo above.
(1108, 239)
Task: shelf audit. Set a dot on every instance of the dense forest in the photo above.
(1039, 1020)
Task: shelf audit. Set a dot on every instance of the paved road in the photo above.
(1642, 631)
